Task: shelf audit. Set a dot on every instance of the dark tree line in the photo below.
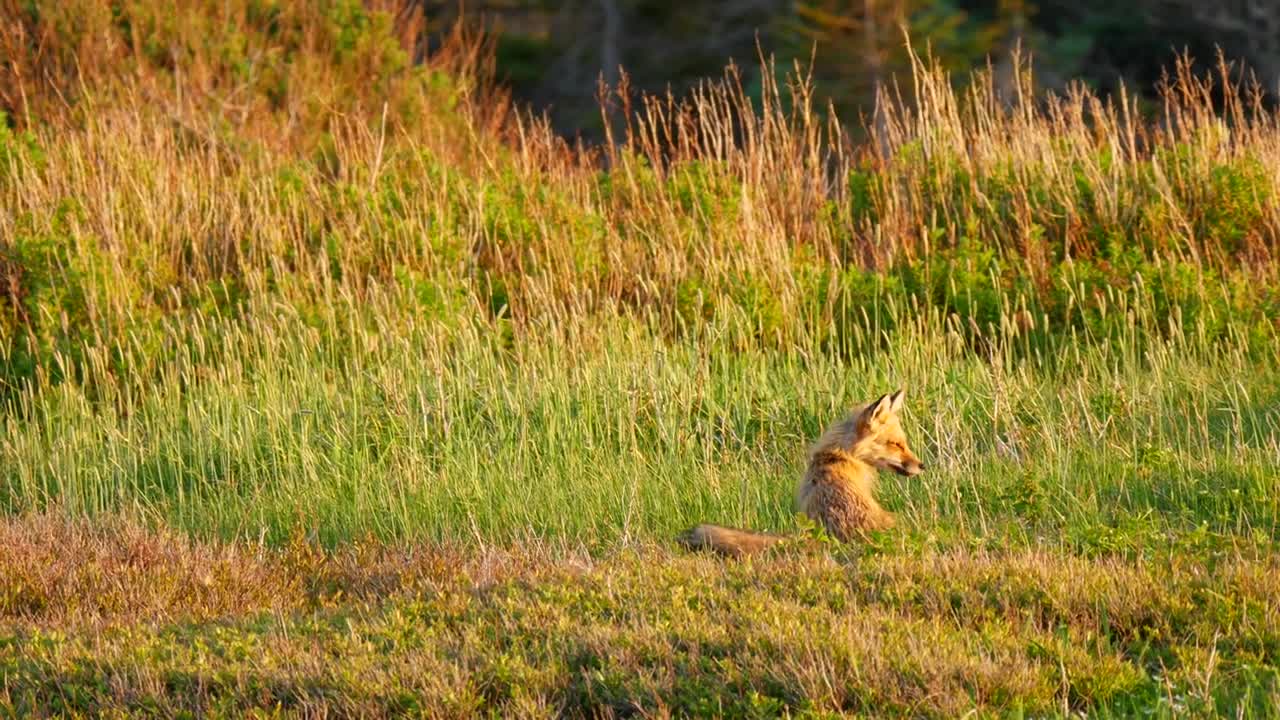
(553, 53)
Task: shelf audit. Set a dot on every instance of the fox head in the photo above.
(878, 438)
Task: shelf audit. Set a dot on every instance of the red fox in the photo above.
(837, 490)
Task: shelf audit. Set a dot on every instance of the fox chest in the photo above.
(841, 503)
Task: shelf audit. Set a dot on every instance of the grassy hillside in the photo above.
(297, 293)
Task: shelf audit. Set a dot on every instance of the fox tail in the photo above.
(728, 541)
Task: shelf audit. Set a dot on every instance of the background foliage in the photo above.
(553, 52)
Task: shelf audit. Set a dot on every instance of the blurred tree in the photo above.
(1251, 28)
(857, 45)
(553, 53)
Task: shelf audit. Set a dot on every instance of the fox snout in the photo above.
(909, 468)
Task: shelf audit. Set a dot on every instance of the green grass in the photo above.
(442, 434)
(329, 385)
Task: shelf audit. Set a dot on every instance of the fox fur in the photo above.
(838, 489)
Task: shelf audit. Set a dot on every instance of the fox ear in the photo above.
(895, 400)
(878, 411)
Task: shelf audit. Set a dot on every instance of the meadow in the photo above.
(331, 383)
